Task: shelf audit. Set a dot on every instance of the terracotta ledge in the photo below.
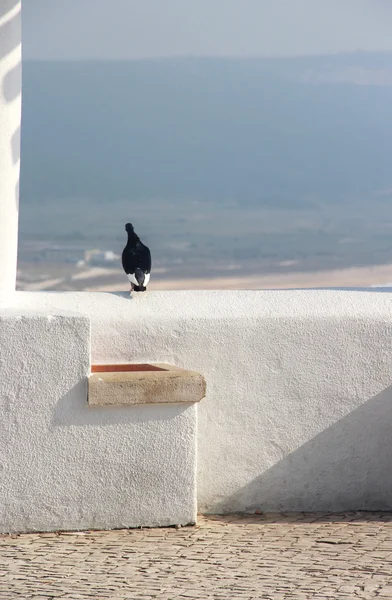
(111, 385)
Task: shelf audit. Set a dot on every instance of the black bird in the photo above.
(136, 261)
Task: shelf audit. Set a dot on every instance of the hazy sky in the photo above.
(121, 29)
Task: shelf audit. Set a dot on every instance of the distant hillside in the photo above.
(261, 131)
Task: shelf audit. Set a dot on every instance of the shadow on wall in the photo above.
(8, 43)
(346, 467)
(73, 410)
(10, 24)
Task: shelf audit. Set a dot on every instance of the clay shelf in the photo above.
(130, 384)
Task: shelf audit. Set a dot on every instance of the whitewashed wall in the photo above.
(10, 110)
(66, 465)
(298, 413)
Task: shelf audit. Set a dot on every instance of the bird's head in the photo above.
(129, 227)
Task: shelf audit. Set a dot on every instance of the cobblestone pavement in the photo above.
(263, 556)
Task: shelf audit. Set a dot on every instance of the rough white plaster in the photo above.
(298, 413)
(10, 109)
(65, 465)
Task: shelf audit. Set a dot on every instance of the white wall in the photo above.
(298, 413)
(10, 108)
(65, 465)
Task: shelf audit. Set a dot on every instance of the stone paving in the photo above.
(260, 556)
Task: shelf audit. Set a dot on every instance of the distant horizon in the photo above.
(215, 57)
(131, 29)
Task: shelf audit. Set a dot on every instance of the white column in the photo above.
(10, 112)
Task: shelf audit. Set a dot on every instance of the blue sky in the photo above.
(133, 29)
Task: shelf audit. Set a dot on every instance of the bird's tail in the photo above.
(140, 277)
